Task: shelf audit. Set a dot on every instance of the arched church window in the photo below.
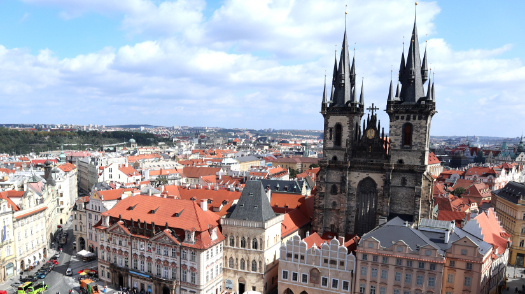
(254, 243)
(407, 135)
(243, 242)
(243, 266)
(403, 181)
(230, 262)
(333, 190)
(338, 134)
(330, 134)
(232, 241)
(254, 266)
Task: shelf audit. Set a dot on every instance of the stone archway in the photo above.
(366, 206)
(288, 291)
(81, 244)
(242, 285)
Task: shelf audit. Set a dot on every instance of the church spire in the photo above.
(343, 86)
(402, 65)
(411, 77)
(324, 92)
(397, 90)
(424, 67)
(362, 98)
(390, 92)
(429, 91)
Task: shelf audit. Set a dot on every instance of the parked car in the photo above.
(69, 272)
(16, 284)
(55, 262)
(41, 276)
(57, 255)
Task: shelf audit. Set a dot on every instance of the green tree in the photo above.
(293, 173)
(160, 181)
(313, 165)
(459, 191)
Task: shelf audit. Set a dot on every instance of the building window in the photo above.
(399, 261)
(408, 278)
(324, 282)
(374, 273)
(230, 262)
(192, 256)
(346, 285)
(333, 190)
(407, 135)
(385, 259)
(372, 289)
(173, 273)
(382, 290)
(254, 266)
(450, 278)
(232, 241)
(285, 275)
(452, 263)
(397, 277)
(158, 270)
(173, 252)
(193, 277)
(142, 265)
(184, 275)
(421, 265)
(295, 276)
(431, 281)
(254, 243)
(243, 242)
(384, 274)
(363, 271)
(365, 256)
(158, 249)
(135, 264)
(243, 266)
(432, 266)
(304, 278)
(409, 263)
(362, 288)
(469, 266)
(463, 251)
(419, 280)
(338, 135)
(374, 258)
(335, 283)
(184, 255)
(467, 281)
(149, 267)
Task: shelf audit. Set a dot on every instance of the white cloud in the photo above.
(252, 64)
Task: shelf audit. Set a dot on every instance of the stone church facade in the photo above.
(367, 177)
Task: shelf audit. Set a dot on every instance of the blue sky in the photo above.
(254, 64)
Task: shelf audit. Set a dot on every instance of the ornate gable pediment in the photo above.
(163, 237)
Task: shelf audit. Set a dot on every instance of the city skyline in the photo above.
(250, 65)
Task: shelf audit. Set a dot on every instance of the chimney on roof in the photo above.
(216, 187)
(204, 204)
(447, 236)
(269, 194)
(341, 240)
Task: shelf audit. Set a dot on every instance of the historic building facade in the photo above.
(365, 176)
(253, 239)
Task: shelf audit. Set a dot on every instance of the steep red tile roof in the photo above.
(191, 217)
(13, 193)
(197, 172)
(133, 159)
(463, 183)
(478, 190)
(281, 202)
(211, 179)
(432, 158)
(129, 171)
(115, 194)
(7, 171)
(293, 220)
(171, 191)
(457, 216)
(163, 172)
(5, 195)
(480, 171)
(67, 167)
(314, 238)
(217, 198)
(493, 232)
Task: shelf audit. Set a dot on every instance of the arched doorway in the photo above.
(165, 290)
(242, 285)
(288, 291)
(90, 248)
(120, 280)
(366, 206)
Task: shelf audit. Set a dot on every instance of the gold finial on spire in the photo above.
(345, 15)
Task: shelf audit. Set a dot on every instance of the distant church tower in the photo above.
(366, 177)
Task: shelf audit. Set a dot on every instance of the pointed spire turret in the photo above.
(411, 77)
(424, 68)
(343, 85)
(325, 101)
(362, 98)
(352, 72)
(390, 92)
(334, 78)
(429, 91)
(433, 93)
(397, 90)
(402, 65)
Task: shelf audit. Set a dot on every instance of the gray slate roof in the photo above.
(253, 204)
(512, 192)
(282, 186)
(246, 158)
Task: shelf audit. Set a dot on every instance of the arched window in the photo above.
(243, 267)
(521, 243)
(333, 190)
(338, 134)
(254, 266)
(334, 204)
(232, 241)
(254, 243)
(243, 242)
(334, 158)
(407, 135)
(330, 134)
(230, 262)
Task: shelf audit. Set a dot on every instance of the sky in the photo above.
(252, 64)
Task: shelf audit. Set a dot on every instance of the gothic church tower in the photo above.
(365, 177)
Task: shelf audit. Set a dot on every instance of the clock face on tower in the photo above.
(370, 133)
